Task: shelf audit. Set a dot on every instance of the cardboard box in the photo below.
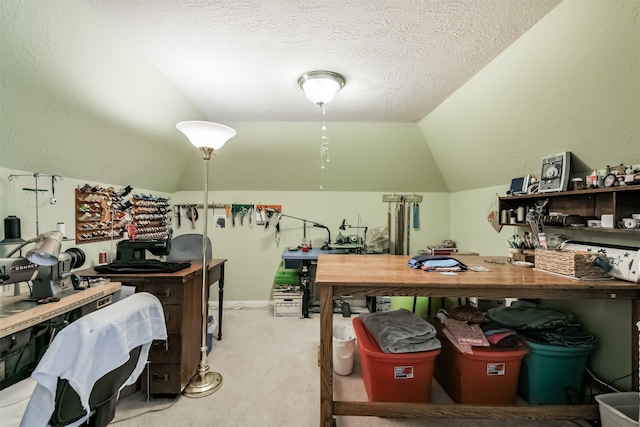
(287, 304)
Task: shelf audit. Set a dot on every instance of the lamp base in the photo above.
(202, 385)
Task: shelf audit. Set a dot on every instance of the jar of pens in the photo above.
(521, 248)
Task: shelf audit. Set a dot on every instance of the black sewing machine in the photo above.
(129, 250)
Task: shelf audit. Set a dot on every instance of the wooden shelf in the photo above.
(582, 205)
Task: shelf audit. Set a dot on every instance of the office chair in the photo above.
(79, 378)
(103, 398)
(188, 247)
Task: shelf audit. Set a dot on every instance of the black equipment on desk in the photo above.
(129, 250)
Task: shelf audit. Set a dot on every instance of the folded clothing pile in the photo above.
(527, 315)
(401, 331)
(436, 263)
(462, 334)
(467, 327)
(543, 325)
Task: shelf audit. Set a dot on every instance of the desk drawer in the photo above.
(169, 352)
(164, 379)
(173, 318)
(166, 293)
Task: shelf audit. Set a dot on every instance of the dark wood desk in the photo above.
(174, 363)
(389, 275)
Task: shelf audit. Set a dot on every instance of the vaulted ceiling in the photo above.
(93, 89)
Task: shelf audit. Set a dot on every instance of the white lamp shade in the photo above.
(206, 134)
(321, 87)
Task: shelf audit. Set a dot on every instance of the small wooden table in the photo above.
(34, 313)
(383, 275)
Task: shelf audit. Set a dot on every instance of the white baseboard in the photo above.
(241, 304)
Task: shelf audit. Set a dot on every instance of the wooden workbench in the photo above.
(383, 275)
(38, 313)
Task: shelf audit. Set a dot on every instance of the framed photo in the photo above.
(220, 221)
(554, 175)
(519, 185)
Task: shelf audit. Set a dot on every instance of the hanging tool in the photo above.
(408, 230)
(400, 228)
(416, 216)
(277, 230)
(178, 214)
(389, 226)
(192, 214)
(242, 213)
(235, 210)
(53, 200)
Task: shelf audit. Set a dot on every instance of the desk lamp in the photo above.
(207, 137)
(46, 251)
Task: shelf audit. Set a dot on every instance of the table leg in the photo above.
(220, 297)
(326, 356)
(635, 350)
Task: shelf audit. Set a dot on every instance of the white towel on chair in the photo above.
(91, 347)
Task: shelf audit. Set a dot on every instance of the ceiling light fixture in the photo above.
(321, 87)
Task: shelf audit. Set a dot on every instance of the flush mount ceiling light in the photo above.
(321, 86)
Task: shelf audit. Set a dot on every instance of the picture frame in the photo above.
(519, 185)
(220, 221)
(554, 173)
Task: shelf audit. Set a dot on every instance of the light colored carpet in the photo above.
(271, 378)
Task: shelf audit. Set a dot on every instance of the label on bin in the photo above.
(403, 372)
(495, 369)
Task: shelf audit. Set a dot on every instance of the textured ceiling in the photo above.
(239, 60)
(109, 79)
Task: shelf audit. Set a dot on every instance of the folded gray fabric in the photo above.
(400, 331)
(525, 315)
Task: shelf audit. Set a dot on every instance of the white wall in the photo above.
(252, 254)
(469, 225)
(15, 201)
(570, 83)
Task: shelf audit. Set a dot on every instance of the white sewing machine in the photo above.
(625, 260)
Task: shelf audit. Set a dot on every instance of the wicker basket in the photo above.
(569, 263)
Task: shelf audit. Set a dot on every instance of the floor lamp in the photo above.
(207, 137)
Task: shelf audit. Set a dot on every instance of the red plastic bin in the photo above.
(393, 377)
(488, 376)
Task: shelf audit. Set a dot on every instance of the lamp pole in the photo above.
(204, 382)
(207, 137)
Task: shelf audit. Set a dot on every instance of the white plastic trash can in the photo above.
(619, 409)
(344, 346)
(212, 325)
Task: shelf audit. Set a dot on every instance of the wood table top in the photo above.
(392, 270)
(30, 313)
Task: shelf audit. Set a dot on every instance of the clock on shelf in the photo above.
(554, 175)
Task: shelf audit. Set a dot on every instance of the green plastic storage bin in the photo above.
(285, 276)
(550, 373)
(422, 304)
